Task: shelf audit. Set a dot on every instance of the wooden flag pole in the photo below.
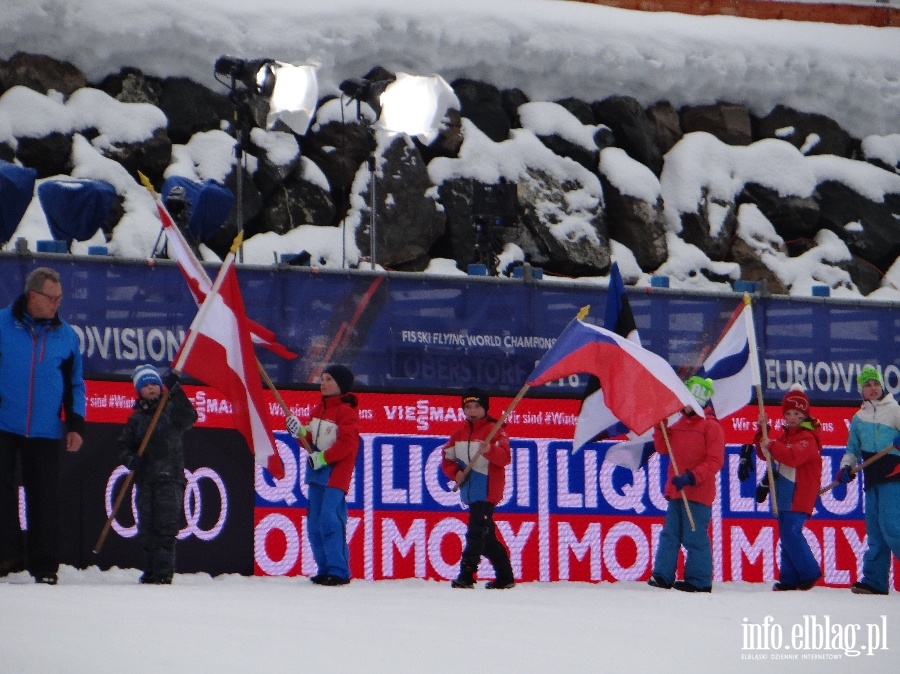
(853, 471)
(128, 478)
(490, 436)
(280, 400)
(512, 405)
(757, 384)
(687, 507)
(177, 368)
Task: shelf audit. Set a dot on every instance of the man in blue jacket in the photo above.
(41, 401)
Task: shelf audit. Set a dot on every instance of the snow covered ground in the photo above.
(99, 622)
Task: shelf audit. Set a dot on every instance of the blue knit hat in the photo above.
(145, 374)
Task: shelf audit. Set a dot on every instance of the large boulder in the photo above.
(664, 117)
(302, 199)
(130, 85)
(711, 227)
(573, 240)
(49, 155)
(192, 108)
(41, 73)
(634, 208)
(810, 133)
(339, 150)
(792, 216)
(633, 130)
(483, 105)
(728, 122)
(869, 229)
(407, 221)
(150, 156)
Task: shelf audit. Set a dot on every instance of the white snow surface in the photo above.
(103, 621)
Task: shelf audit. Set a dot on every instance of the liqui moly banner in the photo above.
(404, 332)
(563, 516)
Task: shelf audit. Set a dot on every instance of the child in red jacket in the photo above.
(481, 489)
(798, 451)
(333, 434)
(698, 444)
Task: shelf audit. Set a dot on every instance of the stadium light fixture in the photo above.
(410, 104)
(291, 92)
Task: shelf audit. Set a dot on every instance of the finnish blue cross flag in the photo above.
(729, 365)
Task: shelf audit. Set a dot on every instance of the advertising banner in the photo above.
(563, 515)
(402, 332)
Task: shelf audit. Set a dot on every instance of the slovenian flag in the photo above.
(641, 388)
(730, 367)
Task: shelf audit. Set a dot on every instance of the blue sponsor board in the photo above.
(403, 332)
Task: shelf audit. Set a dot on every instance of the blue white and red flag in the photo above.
(641, 388)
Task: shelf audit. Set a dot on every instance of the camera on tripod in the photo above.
(494, 208)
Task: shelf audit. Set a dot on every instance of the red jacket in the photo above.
(487, 479)
(334, 429)
(798, 451)
(698, 444)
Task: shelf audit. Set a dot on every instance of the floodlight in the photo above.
(410, 104)
(292, 91)
(415, 105)
(294, 95)
(251, 74)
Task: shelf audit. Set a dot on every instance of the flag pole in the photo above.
(176, 368)
(200, 270)
(128, 478)
(704, 352)
(512, 405)
(687, 507)
(853, 471)
(490, 436)
(757, 383)
(280, 400)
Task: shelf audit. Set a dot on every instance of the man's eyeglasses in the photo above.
(56, 299)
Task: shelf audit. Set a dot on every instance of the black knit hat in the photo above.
(342, 376)
(476, 395)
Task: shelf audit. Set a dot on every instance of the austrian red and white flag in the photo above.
(218, 351)
(200, 285)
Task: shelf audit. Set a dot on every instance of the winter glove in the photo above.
(746, 464)
(317, 460)
(683, 480)
(172, 381)
(845, 476)
(762, 491)
(133, 462)
(294, 427)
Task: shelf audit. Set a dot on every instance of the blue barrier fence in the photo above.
(402, 332)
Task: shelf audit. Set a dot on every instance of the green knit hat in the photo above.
(868, 373)
(701, 388)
